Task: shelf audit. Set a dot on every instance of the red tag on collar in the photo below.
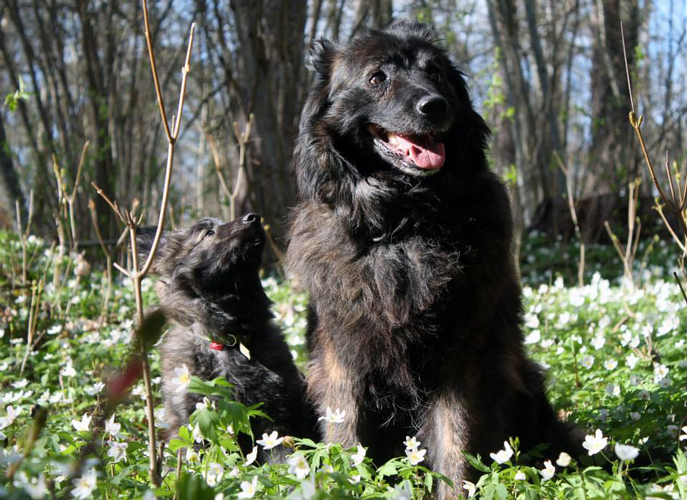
(216, 346)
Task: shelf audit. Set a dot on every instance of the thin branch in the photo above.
(121, 269)
(78, 171)
(627, 68)
(573, 214)
(679, 283)
(153, 67)
(170, 148)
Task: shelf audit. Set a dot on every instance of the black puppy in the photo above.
(222, 325)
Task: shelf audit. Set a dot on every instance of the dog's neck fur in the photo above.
(219, 316)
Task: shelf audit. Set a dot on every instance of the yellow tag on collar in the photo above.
(244, 350)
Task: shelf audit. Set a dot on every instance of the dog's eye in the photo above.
(436, 75)
(377, 78)
(209, 233)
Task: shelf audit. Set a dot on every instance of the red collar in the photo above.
(216, 346)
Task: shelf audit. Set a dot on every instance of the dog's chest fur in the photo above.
(413, 304)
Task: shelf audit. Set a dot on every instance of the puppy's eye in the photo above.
(378, 78)
(209, 233)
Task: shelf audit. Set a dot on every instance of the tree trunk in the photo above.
(270, 64)
(611, 154)
(10, 190)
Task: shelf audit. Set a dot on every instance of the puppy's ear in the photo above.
(321, 56)
(144, 242)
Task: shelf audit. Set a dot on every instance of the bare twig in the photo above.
(131, 220)
(677, 202)
(36, 292)
(108, 259)
(72, 197)
(573, 214)
(24, 235)
(627, 255)
(242, 138)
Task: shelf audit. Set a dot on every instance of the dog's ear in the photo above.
(456, 78)
(471, 127)
(320, 57)
(144, 242)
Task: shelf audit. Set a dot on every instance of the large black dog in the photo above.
(403, 242)
(209, 287)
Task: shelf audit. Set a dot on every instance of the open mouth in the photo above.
(419, 154)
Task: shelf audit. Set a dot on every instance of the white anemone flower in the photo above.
(548, 471)
(333, 417)
(411, 442)
(415, 456)
(248, 490)
(563, 459)
(112, 428)
(214, 474)
(269, 442)
(298, 466)
(182, 379)
(595, 443)
(84, 486)
(358, 457)
(84, 424)
(117, 451)
(470, 488)
(250, 458)
(504, 455)
(626, 451)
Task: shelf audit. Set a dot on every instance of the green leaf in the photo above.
(182, 440)
(388, 469)
(122, 474)
(208, 421)
(193, 487)
(476, 462)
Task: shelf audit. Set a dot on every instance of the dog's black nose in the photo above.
(251, 219)
(433, 106)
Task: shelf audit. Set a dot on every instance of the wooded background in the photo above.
(548, 75)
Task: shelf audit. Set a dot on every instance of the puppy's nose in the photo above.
(433, 106)
(251, 219)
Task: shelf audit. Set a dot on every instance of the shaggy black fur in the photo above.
(209, 287)
(415, 304)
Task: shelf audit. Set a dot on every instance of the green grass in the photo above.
(615, 357)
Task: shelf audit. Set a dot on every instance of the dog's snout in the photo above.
(251, 219)
(433, 106)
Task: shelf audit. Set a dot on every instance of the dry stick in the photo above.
(108, 258)
(24, 235)
(67, 202)
(36, 292)
(58, 282)
(218, 168)
(242, 139)
(22, 240)
(573, 214)
(72, 197)
(627, 255)
(680, 285)
(659, 209)
(131, 221)
(44, 278)
(678, 203)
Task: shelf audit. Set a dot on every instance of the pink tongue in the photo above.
(423, 151)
